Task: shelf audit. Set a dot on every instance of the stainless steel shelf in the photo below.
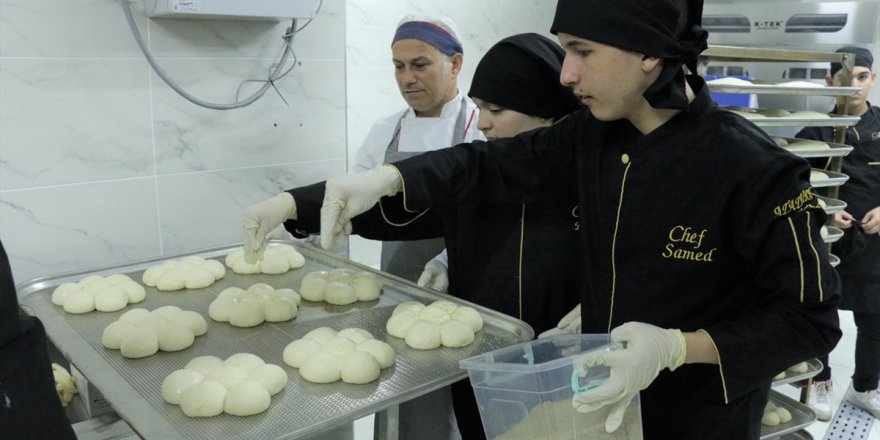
(834, 179)
(775, 89)
(833, 206)
(833, 150)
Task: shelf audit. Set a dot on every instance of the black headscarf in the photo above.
(863, 58)
(521, 73)
(642, 26)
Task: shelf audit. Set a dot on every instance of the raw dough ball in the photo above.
(174, 279)
(198, 278)
(274, 265)
(247, 398)
(204, 399)
(175, 337)
(398, 325)
(220, 308)
(456, 333)
(423, 335)
(192, 272)
(194, 321)
(312, 289)
(204, 364)
(779, 376)
(59, 295)
(155, 323)
(178, 382)
(271, 376)
(276, 259)
(822, 203)
(359, 367)
(770, 419)
(339, 293)
(116, 332)
(321, 334)
(823, 231)
(408, 306)
(807, 114)
(800, 367)
(135, 316)
(216, 269)
(297, 352)
(434, 314)
(245, 361)
(227, 375)
(729, 81)
(806, 84)
(446, 306)
(278, 310)
(774, 112)
(469, 315)
(808, 144)
(322, 367)
(380, 350)
(141, 344)
(357, 335)
(366, 289)
(246, 314)
(79, 301)
(340, 275)
(817, 175)
(169, 312)
(783, 414)
(110, 299)
(340, 346)
(780, 141)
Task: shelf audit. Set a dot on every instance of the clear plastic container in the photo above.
(525, 391)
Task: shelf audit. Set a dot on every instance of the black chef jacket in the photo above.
(861, 194)
(29, 404)
(702, 224)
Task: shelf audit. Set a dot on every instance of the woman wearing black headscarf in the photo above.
(517, 258)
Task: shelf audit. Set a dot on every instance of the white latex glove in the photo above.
(648, 349)
(569, 324)
(346, 197)
(261, 221)
(435, 276)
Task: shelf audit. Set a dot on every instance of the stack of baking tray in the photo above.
(133, 386)
(814, 366)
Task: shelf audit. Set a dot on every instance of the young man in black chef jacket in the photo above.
(859, 250)
(699, 238)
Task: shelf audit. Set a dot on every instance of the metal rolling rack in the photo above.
(836, 153)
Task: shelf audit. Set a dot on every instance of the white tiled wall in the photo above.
(102, 163)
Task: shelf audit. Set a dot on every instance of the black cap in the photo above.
(521, 73)
(863, 58)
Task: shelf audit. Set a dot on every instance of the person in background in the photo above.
(699, 243)
(519, 259)
(859, 250)
(427, 56)
(29, 405)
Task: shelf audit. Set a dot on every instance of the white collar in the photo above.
(450, 109)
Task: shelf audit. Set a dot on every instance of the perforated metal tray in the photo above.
(133, 386)
(833, 260)
(787, 121)
(834, 234)
(801, 416)
(833, 179)
(776, 89)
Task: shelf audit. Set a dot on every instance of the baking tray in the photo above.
(834, 150)
(775, 89)
(833, 206)
(834, 260)
(797, 435)
(831, 121)
(133, 386)
(801, 416)
(834, 179)
(814, 366)
(833, 235)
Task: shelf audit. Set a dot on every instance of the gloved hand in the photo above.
(569, 324)
(648, 350)
(435, 276)
(261, 219)
(346, 197)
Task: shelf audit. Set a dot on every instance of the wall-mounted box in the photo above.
(273, 10)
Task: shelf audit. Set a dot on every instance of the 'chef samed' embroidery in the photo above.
(685, 243)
